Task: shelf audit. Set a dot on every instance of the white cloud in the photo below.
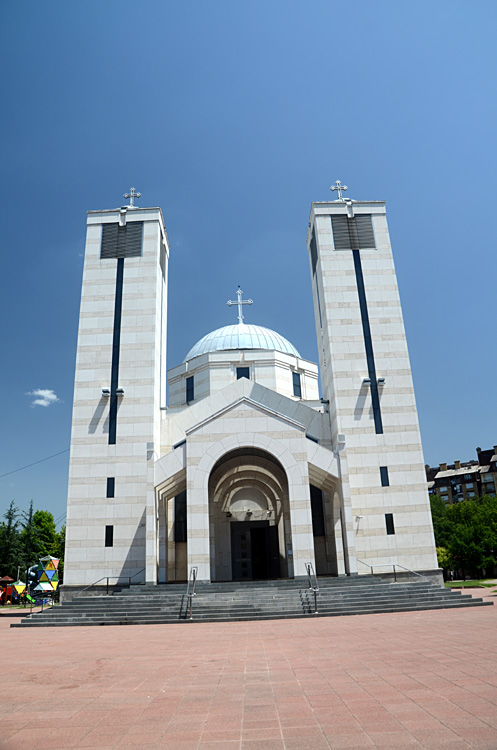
(43, 397)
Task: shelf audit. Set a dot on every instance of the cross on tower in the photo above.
(240, 302)
(338, 186)
(132, 195)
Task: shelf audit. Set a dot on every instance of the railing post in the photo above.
(129, 582)
(371, 570)
(395, 574)
(107, 588)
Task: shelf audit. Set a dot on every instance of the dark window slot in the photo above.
(317, 511)
(180, 517)
(116, 343)
(297, 390)
(190, 393)
(314, 253)
(368, 343)
(389, 523)
(109, 536)
(242, 372)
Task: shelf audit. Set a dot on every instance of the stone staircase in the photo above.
(254, 600)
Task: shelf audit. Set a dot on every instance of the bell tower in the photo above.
(366, 377)
(120, 384)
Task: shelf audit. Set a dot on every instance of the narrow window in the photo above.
(385, 481)
(389, 523)
(180, 517)
(314, 253)
(317, 511)
(111, 486)
(109, 536)
(189, 389)
(297, 391)
(242, 372)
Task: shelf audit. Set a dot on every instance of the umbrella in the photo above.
(6, 579)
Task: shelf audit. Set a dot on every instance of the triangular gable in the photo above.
(245, 401)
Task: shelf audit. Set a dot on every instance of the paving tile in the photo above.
(372, 681)
(262, 734)
(393, 739)
(307, 743)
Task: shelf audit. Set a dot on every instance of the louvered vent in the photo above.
(122, 242)
(353, 234)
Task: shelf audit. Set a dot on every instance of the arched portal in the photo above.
(249, 517)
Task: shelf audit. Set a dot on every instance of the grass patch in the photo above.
(484, 584)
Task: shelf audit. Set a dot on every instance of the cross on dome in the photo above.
(132, 195)
(240, 302)
(338, 186)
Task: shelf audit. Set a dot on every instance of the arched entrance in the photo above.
(249, 517)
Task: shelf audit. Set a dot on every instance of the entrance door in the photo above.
(254, 551)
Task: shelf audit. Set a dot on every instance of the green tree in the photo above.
(442, 524)
(10, 543)
(30, 538)
(46, 531)
(444, 559)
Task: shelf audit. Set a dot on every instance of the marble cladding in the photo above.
(142, 370)
(343, 366)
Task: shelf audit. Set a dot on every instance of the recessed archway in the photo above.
(249, 517)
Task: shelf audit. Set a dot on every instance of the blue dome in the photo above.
(241, 336)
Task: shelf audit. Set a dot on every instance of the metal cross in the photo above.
(338, 186)
(240, 302)
(132, 195)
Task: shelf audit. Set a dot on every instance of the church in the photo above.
(262, 462)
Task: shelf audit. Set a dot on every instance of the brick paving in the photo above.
(407, 680)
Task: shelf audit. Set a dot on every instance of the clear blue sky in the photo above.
(233, 117)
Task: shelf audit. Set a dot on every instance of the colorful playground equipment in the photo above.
(48, 579)
(42, 587)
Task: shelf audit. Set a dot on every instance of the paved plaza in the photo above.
(426, 680)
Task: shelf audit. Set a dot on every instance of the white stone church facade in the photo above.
(246, 473)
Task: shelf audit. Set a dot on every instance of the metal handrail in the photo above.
(395, 566)
(366, 564)
(313, 584)
(420, 575)
(109, 578)
(190, 589)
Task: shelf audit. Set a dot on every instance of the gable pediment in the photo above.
(238, 407)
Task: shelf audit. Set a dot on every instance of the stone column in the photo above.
(151, 522)
(347, 523)
(197, 513)
(301, 518)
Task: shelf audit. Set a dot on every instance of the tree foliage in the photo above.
(467, 534)
(26, 537)
(10, 543)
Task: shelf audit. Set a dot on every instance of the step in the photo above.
(253, 600)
